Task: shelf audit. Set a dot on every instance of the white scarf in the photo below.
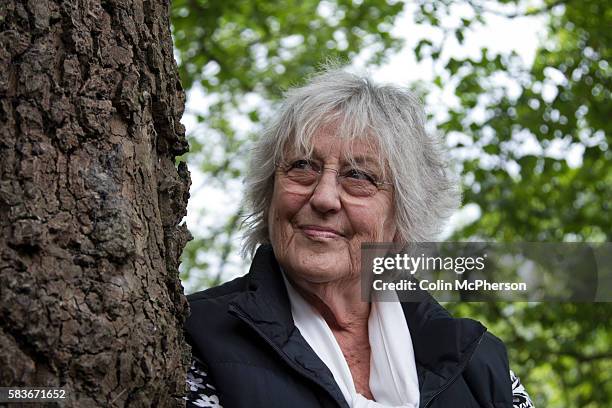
(393, 376)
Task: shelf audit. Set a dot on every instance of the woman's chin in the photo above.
(317, 260)
(321, 269)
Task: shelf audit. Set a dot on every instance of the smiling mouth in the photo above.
(317, 232)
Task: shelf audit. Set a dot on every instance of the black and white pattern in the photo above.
(200, 393)
(520, 398)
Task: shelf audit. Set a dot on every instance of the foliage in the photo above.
(535, 161)
(562, 351)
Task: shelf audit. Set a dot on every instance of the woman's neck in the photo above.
(339, 303)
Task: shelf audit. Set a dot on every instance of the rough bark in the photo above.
(91, 201)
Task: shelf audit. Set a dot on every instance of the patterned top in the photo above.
(200, 393)
(520, 398)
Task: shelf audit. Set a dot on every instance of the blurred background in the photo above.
(519, 90)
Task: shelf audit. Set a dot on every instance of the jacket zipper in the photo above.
(452, 380)
(296, 367)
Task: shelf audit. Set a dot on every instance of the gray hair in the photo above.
(425, 191)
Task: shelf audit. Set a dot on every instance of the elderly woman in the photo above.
(346, 162)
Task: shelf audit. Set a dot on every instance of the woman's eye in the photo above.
(301, 165)
(359, 175)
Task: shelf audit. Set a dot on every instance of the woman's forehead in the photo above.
(328, 140)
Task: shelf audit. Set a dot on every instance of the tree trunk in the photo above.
(91, 201)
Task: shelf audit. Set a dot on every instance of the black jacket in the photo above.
(244, 333)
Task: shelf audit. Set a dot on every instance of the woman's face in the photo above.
(317, 234)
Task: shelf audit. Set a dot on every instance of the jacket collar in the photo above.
(442, 344)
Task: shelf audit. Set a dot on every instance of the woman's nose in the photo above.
(326, 195)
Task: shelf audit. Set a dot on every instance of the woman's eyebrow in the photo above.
(360, 159)
(366, 160)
